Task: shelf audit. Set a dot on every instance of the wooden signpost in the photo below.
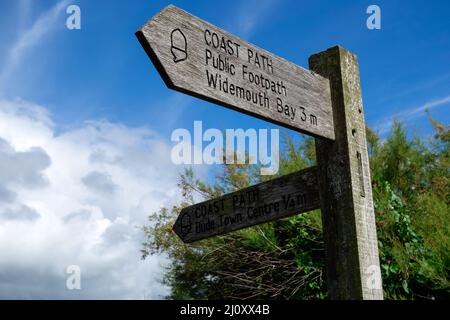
(199, 59)
(278, 198)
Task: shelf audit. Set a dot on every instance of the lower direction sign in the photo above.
(278, 198)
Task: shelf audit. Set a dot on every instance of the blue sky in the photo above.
(85, 121)
(102, 72)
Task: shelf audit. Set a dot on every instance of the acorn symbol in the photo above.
(186, 224)
(178, 46)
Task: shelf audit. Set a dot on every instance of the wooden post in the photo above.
(352, 262)
(182, 48)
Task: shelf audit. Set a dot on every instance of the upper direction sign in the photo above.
(199, 59)
(274, 199)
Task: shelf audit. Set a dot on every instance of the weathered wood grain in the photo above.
(278, 198)
(183, 48)
(353, 269)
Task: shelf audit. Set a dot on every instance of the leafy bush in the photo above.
(284, 259)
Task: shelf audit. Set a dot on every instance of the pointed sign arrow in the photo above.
(199, 59)
(278, 198)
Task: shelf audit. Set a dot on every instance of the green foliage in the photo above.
(284, 259)
(411, 195)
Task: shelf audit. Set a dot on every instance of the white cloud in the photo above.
(427, 106)
(31, 37)
(77, 198)
(412, 113)
(250, 15)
